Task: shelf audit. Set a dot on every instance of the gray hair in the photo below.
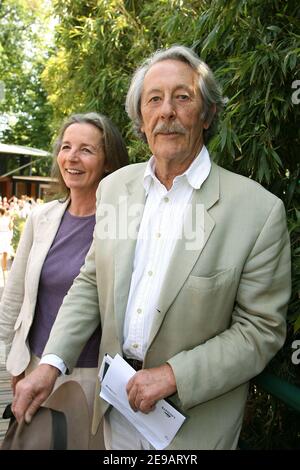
(113, 145)
(208, 87)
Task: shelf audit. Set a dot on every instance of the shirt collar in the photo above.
(196, 173)
(149, 174)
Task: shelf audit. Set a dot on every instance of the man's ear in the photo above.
(210, 116)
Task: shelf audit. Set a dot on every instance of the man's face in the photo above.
(171, 107)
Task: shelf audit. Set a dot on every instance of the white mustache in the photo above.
(174, 128)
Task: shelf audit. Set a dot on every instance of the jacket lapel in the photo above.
(199, 223)
(47, 227)
(130, 212)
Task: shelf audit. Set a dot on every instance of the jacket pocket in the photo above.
(216, 281)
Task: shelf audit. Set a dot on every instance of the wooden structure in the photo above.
(15, 171)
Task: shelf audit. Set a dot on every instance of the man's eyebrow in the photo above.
(152, 90)
(184, 86)
(178, 87)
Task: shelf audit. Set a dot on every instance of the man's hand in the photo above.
(148, 386)
(33, 390)
(14, 380)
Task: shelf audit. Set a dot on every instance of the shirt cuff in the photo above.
(55, 361)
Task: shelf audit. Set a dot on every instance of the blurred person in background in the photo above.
(6, 226)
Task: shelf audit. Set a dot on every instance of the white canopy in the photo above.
(20, 150)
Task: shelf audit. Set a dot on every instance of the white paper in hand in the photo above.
(159, 426)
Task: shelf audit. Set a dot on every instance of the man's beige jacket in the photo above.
(220, 317)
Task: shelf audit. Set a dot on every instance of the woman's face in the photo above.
(81, 158)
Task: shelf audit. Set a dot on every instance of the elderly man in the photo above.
(196, 300)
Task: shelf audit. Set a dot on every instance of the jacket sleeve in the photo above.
(13, 294)
(258, 326)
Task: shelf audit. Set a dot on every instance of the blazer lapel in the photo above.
(130, 212)
(48, 223)
(198, 222)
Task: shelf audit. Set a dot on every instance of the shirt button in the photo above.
(150, 273)
(135, 345)
(139, 310)
(166, 199)
(158, 235)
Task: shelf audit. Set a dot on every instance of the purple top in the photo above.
(61, 266)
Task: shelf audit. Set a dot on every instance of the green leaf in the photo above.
(297, 323)
(276, 29)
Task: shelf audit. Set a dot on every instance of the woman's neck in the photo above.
(82, 204)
